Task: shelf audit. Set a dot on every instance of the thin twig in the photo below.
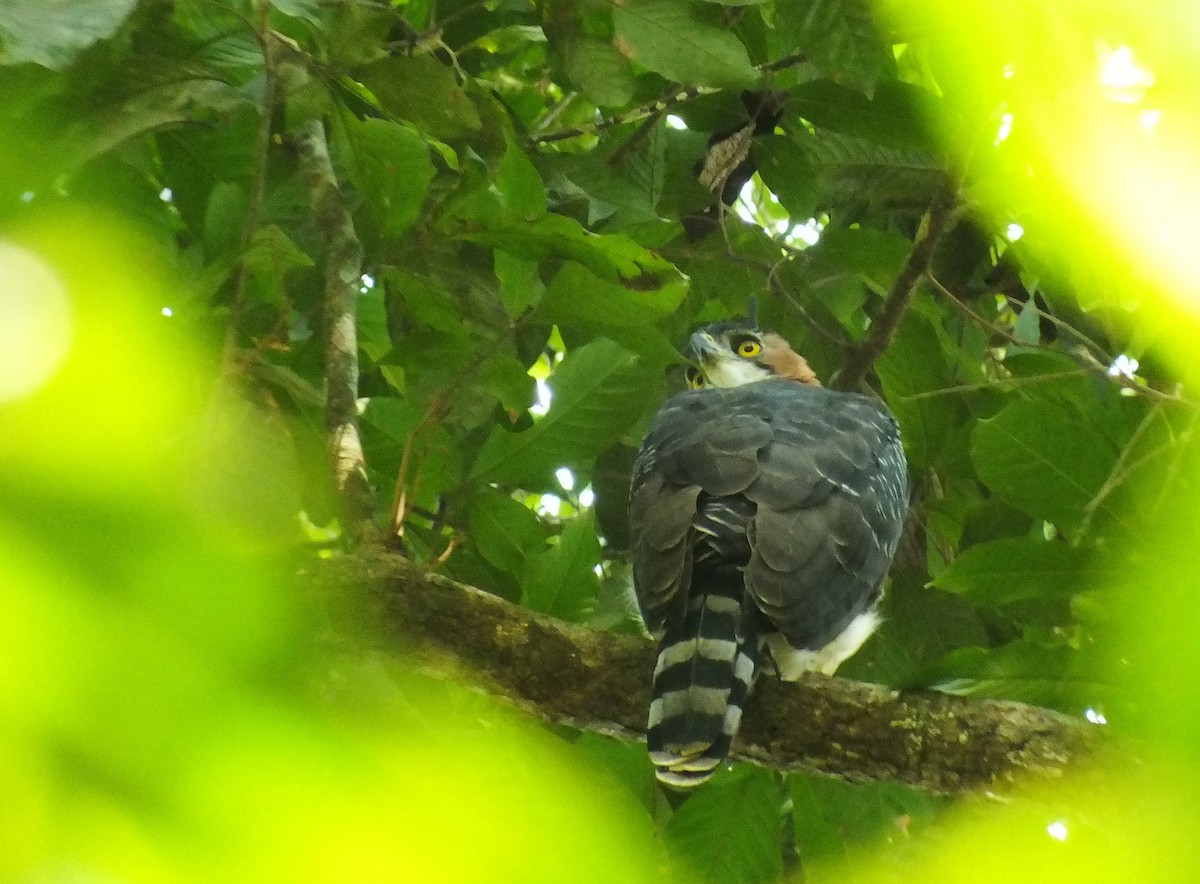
(258, 183)
(1120, 470)
(776, 285)
(884, 325)
(1088, 363)
(400, 497)
(992, 385)
(661, 106)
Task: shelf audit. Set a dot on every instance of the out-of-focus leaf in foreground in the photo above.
(157, 717)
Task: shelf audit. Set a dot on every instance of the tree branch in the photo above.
(600, 682)
(884, 325)
(343, 274)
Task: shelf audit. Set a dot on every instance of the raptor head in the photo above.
(729, 354)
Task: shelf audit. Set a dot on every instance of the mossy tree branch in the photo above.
(601, 682)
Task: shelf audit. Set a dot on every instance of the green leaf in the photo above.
(520, 285)
(506, 533)
(596, 67)
(727, 832)
(611, 256)
(424, 92)
(600, 390)
(915, 364)
(838, 37)
(788, 174)
(682, 43)
(272, 253)
(393, 171)
(854, 171)
(309, 10)
(562, 580)
(508, 380)
(577, 298)
(53, 32)
(1019, 569)
(920, 627)
(617, 607)
(835, 819)
(521, 189)
(897, 117)
(435, 459)
(874, 255)
(1042, 669)
(223, 217)
(1044, 460)
(374, 339)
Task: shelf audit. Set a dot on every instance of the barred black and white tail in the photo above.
(708, 657)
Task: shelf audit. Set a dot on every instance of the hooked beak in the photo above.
(704, 349)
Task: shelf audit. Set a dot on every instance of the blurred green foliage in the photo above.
(170, 705)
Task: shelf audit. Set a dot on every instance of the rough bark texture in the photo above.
(343, 275)
(601, 682)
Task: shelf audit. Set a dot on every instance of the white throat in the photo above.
(734, 373)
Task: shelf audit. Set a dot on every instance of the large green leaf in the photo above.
(522, 193)
(520, 285)
(788, 173)
(611, 256)
(840, 37)
(1018, 569)
(596, 66)
(728, 831)
(835, 819)
(577, 298)
(392, 169)
(681, 41)
(506, 532)
(562, 581)
(374, 339)
(1041, 668)
(1044, 459)
(53, 32)
(915, 365)
(920, 627)
(846, 261)
(600, 390)
(855, 172)
(897, 117)
(422, 91)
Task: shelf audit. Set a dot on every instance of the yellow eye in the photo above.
(749, 349)
(695, 379)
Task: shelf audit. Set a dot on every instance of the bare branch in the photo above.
(343, 274)
(884, 325)
(601, 682)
